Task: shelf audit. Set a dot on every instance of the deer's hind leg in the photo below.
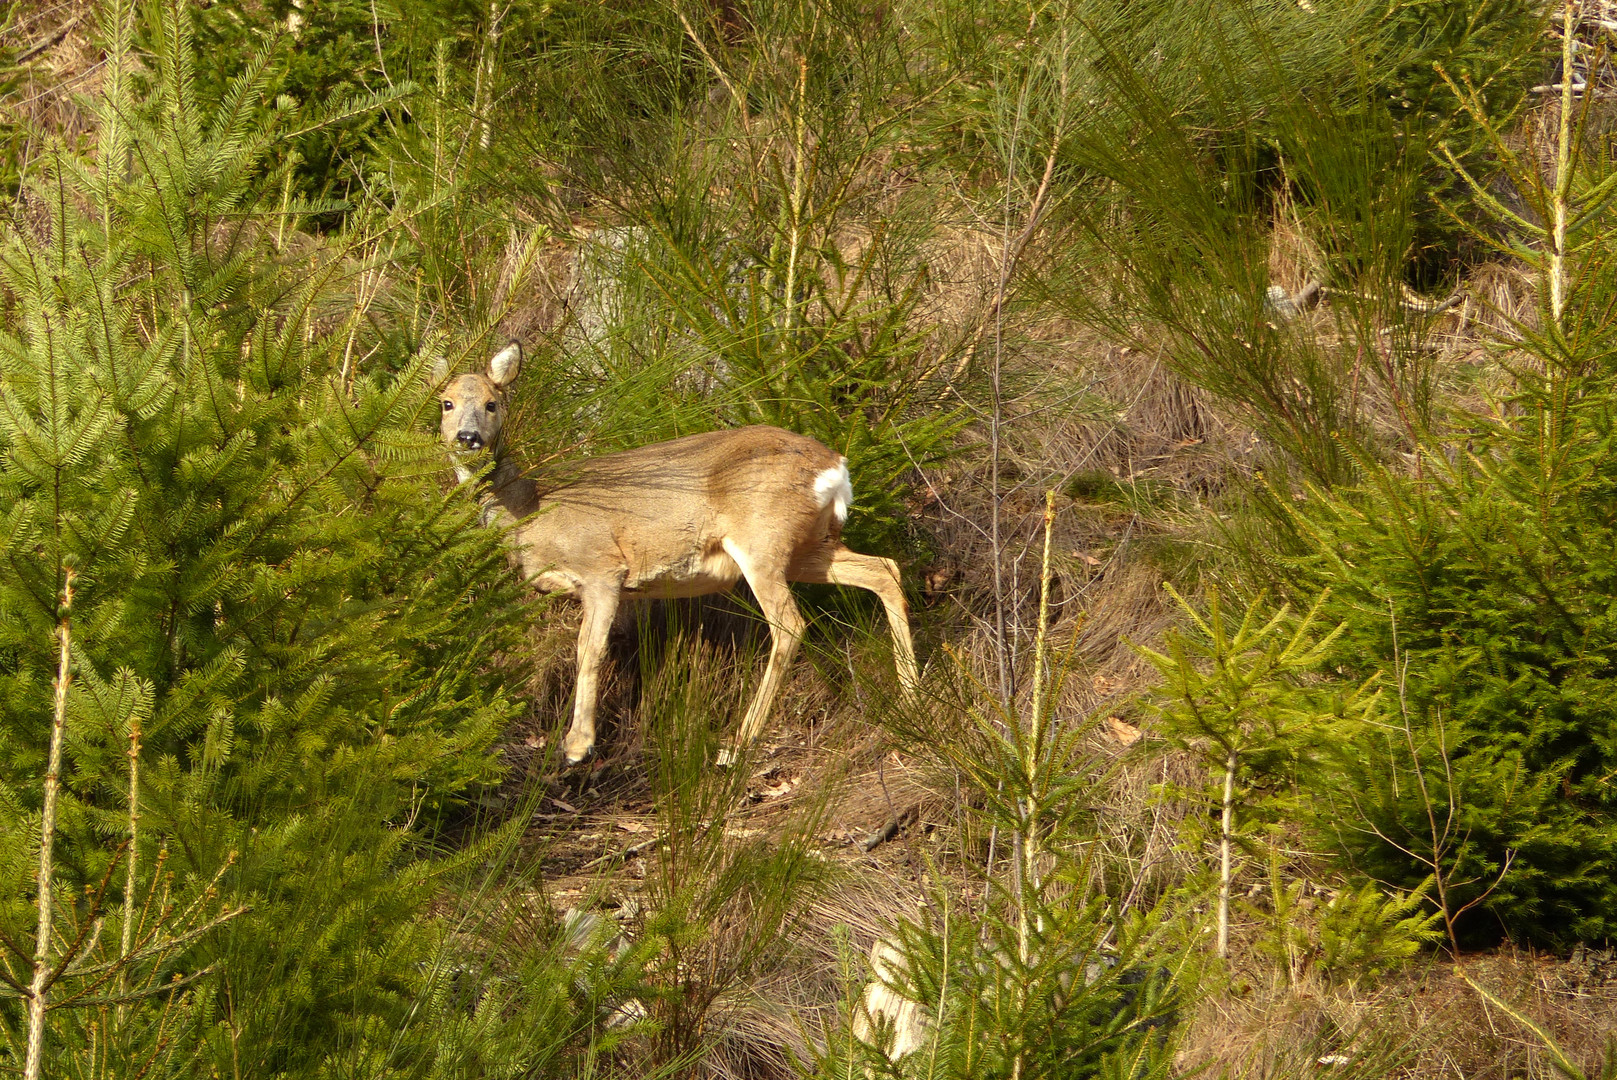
(600, 605)
(834, 564)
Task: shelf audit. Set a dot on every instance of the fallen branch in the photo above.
(630, 852)
(49, 42)
(894, 826)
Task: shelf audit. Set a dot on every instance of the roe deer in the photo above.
(686, 517)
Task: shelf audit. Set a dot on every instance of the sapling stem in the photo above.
(134, 859)
(485, 73)
(1033, 748)
(1563, 166)
(1003, 646)
(799, 153)
(40, 983)
(1028, 847)
(1224, 830)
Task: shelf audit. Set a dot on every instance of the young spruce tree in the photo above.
(283, 626)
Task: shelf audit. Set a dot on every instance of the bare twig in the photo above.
(737, 96)
(895, 824)
(630, 852)
(1011, 255)
(1442, 839)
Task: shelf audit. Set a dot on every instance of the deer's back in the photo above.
(658, 516)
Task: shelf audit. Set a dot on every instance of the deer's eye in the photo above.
(490, 406)
(448, 405)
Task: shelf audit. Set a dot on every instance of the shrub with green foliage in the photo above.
(333, 50)
(1482, 583)
(1364, 933)
(1082, 996)
(1486, 586)
(1236, 696)
(278, 603)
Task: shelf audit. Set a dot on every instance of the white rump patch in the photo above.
(834, 488)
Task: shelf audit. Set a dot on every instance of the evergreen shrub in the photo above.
(1485, 590)
(278, 602)
(337, 50)
(1481, 581)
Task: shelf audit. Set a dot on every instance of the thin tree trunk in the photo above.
(1563, 167)
(1038, 736)
(40, 984)
(130, 873)
(1029, 840)
(1224, 856)
(799, 167)
(485, 73)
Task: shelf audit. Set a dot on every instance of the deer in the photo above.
(688, 517)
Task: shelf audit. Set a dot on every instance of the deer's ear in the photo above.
(502, 370)
(440, 369)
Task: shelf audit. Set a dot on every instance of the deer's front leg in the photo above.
(768, 583)
(600, 605)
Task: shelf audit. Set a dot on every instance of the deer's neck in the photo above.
(506, 488)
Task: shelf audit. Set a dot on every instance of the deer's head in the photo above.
(474, 404)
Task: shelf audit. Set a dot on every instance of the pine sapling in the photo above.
(1236, 700)
(1572, 202)
(1045, 978)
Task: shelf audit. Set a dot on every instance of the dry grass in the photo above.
(1422, 1022)
(64, 60)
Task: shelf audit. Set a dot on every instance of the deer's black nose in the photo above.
(471, 440)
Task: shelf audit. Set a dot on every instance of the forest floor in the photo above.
(884, 825)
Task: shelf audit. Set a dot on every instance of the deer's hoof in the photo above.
(576, 753)
(728, 756)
